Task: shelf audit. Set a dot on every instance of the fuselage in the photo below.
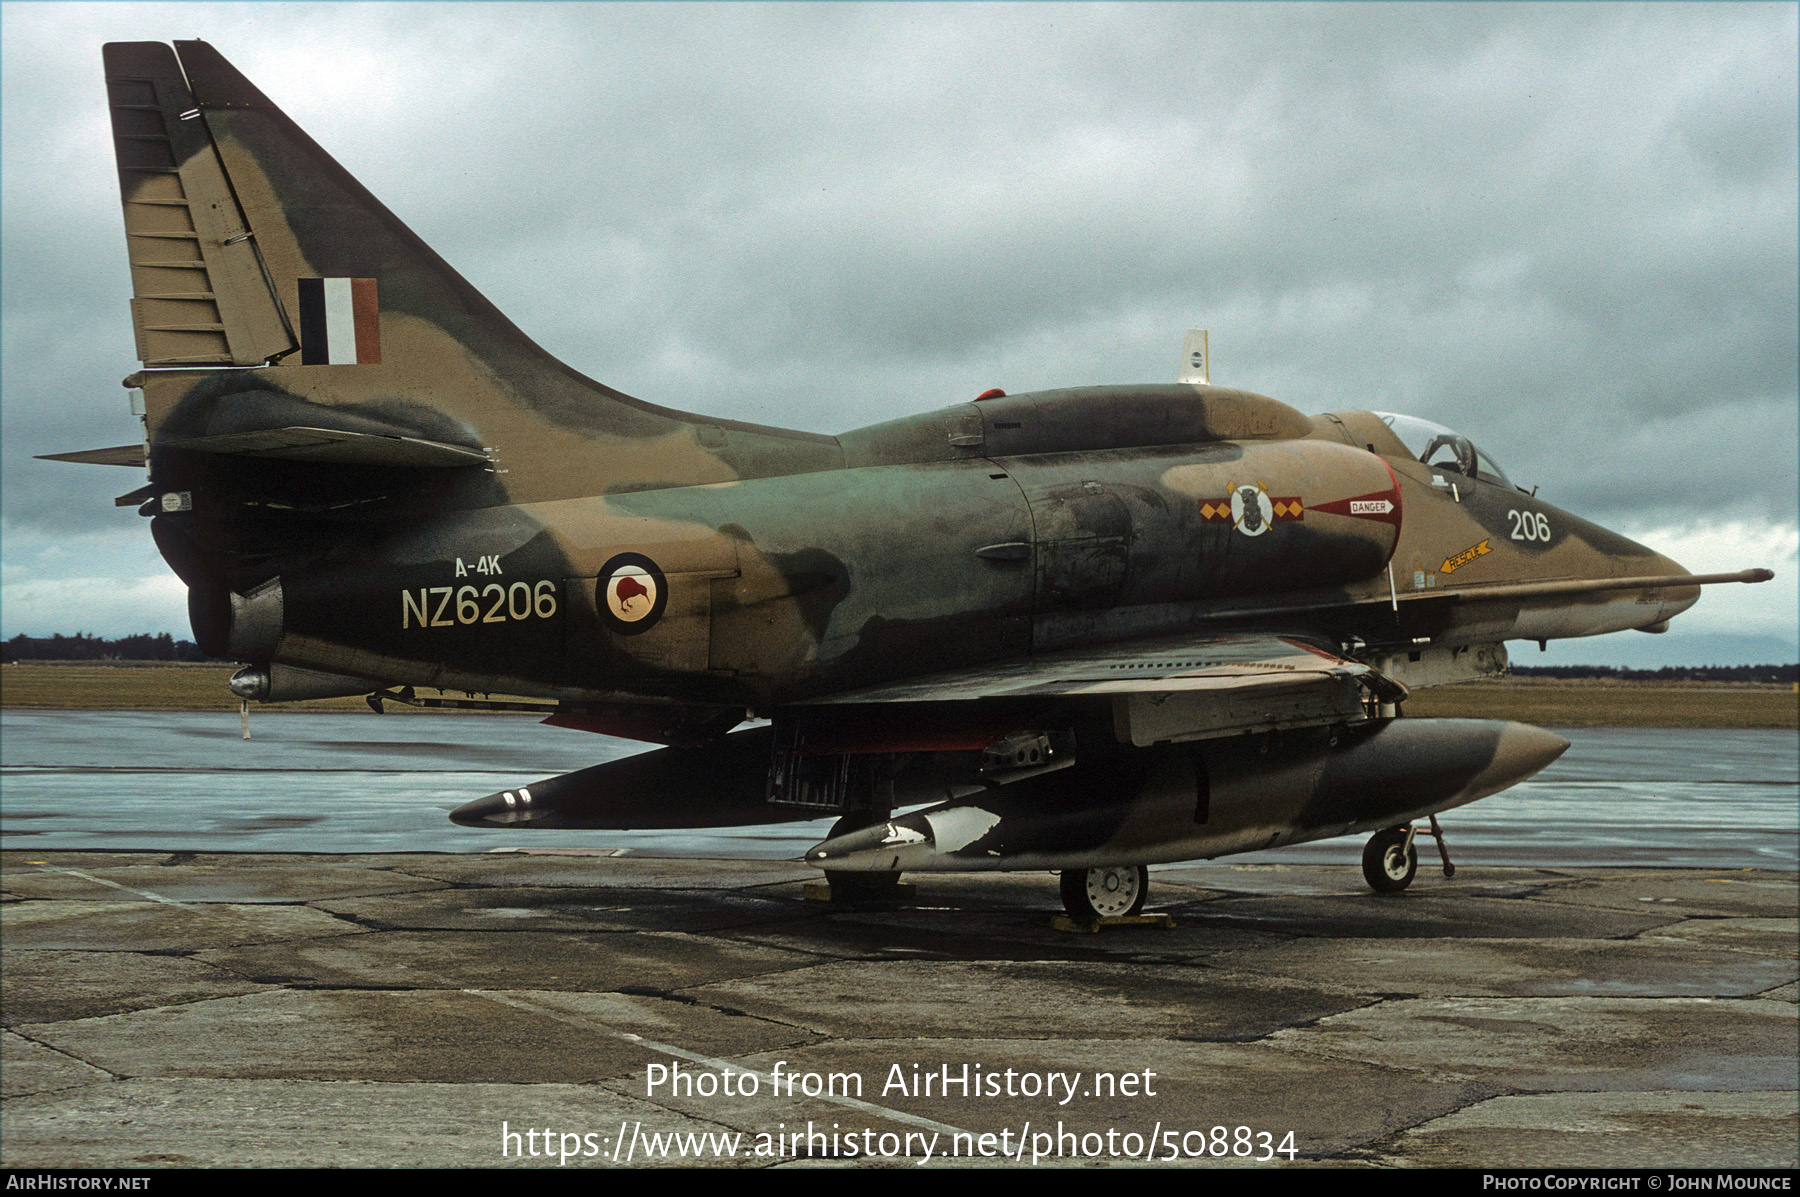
(1100, 627)
(769, 589)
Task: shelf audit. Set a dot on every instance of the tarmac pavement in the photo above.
(560, 1010)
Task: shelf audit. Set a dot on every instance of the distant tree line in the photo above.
(1785, 674)
(82, 647)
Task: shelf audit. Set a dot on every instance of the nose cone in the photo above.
(1598, 552)
(1675, 599)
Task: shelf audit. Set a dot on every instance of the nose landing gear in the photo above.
(1390, 858)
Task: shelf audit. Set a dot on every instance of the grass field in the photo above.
(1613, 704)
(144, 686)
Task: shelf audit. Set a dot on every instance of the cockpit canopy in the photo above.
(1442, 449)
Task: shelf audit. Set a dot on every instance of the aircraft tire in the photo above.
(862, 887)
(859, 887)
(1115, 892)
(1389, 862)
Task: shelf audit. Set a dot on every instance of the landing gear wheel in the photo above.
(862, 887)
(875, 888)
(1390, 860)
(1115, 892)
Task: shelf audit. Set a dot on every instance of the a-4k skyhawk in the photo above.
(1094, 628)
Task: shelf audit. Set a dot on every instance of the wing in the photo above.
(1182, 688)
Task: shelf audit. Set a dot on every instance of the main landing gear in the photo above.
(1116, 892)
(861, 888)
(1390, 858)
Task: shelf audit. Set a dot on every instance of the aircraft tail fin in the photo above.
(251, 246)
(349, 274)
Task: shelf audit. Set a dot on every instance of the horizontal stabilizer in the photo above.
(330, 445)
(121, 455)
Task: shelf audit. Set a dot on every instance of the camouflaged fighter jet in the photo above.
(1094, 628)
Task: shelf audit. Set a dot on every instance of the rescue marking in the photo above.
(630, 593)
(1452, 564)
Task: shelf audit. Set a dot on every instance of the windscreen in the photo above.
(1443, 449)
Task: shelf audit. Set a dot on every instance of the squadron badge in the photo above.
(1251, 509)
(631, 593)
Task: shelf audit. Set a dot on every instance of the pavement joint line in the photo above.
(64, 1052)
(142, 893)
(682, 1053)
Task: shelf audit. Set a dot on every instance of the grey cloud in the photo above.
(1543, 224)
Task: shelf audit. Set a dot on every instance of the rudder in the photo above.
(201, 294)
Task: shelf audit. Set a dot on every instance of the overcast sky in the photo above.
(1568, 231)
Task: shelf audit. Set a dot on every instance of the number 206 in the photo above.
(1529, 525)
